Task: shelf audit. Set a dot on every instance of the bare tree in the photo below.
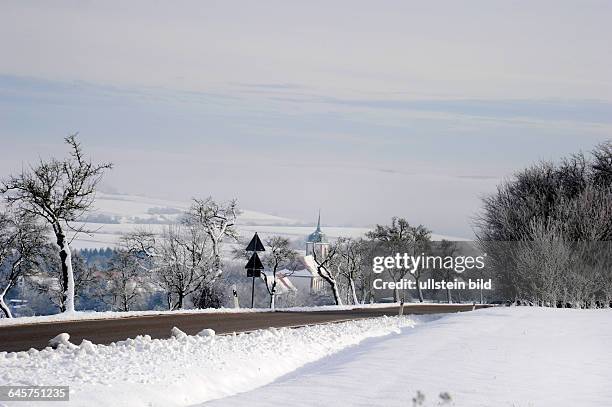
(352, 258)
(444, 249)
(419, 242)
(542, 258)
(21, 240)
(279, 254)
(124, 282)
(218, 221)
(186, 262)
(178, 261)
(602, 164)
(59, 192)
(392, 238)
(547, 230)
(400, 237)
(141, 244)
(324, 266)
(602, 254)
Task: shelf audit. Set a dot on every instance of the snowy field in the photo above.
(515, 357)
(510, 356)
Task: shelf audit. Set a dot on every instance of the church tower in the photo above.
(317, 242)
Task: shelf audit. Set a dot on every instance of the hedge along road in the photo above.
(104, 331)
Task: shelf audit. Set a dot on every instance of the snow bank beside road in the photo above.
(185, 370)
(93, 315)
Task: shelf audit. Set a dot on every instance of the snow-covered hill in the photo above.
(132, 209)
(115, 214)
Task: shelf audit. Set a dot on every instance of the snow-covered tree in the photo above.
(541, 257)
(446, 249)
(218, 221)
(60, 192)
(559, 218)
(21, 240)
(401, 237)
(351, 264)
(327, 270)
(184, 262)
(279, 254)
(178, 261)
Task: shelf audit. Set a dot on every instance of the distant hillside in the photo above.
(115, 214)
(131, 209)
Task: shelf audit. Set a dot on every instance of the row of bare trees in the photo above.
(184, 261)
(347, 266)
(548, 232)
(54, 195)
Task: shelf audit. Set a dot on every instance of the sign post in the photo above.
(254, 265)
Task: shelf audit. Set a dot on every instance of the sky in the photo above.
(363, 109)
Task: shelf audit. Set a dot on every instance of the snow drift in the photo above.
(184, 369)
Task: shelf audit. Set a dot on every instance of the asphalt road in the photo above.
(105, 331)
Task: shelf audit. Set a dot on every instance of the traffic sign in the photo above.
(254, 263)
(255, 245)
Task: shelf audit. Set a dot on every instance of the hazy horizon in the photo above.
(364, 110)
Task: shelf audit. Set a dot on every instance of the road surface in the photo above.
(105, 331)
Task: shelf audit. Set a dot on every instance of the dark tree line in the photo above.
(548, 231)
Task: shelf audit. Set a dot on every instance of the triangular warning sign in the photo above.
(254, 263)
(255, 245)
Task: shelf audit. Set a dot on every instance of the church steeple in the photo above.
(317, 241)
(317, 236)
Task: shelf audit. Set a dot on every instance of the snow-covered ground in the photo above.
(517, 356)
(514, 357)
(507, 356)
(185, 369)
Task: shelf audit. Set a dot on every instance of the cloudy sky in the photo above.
(364, 109)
